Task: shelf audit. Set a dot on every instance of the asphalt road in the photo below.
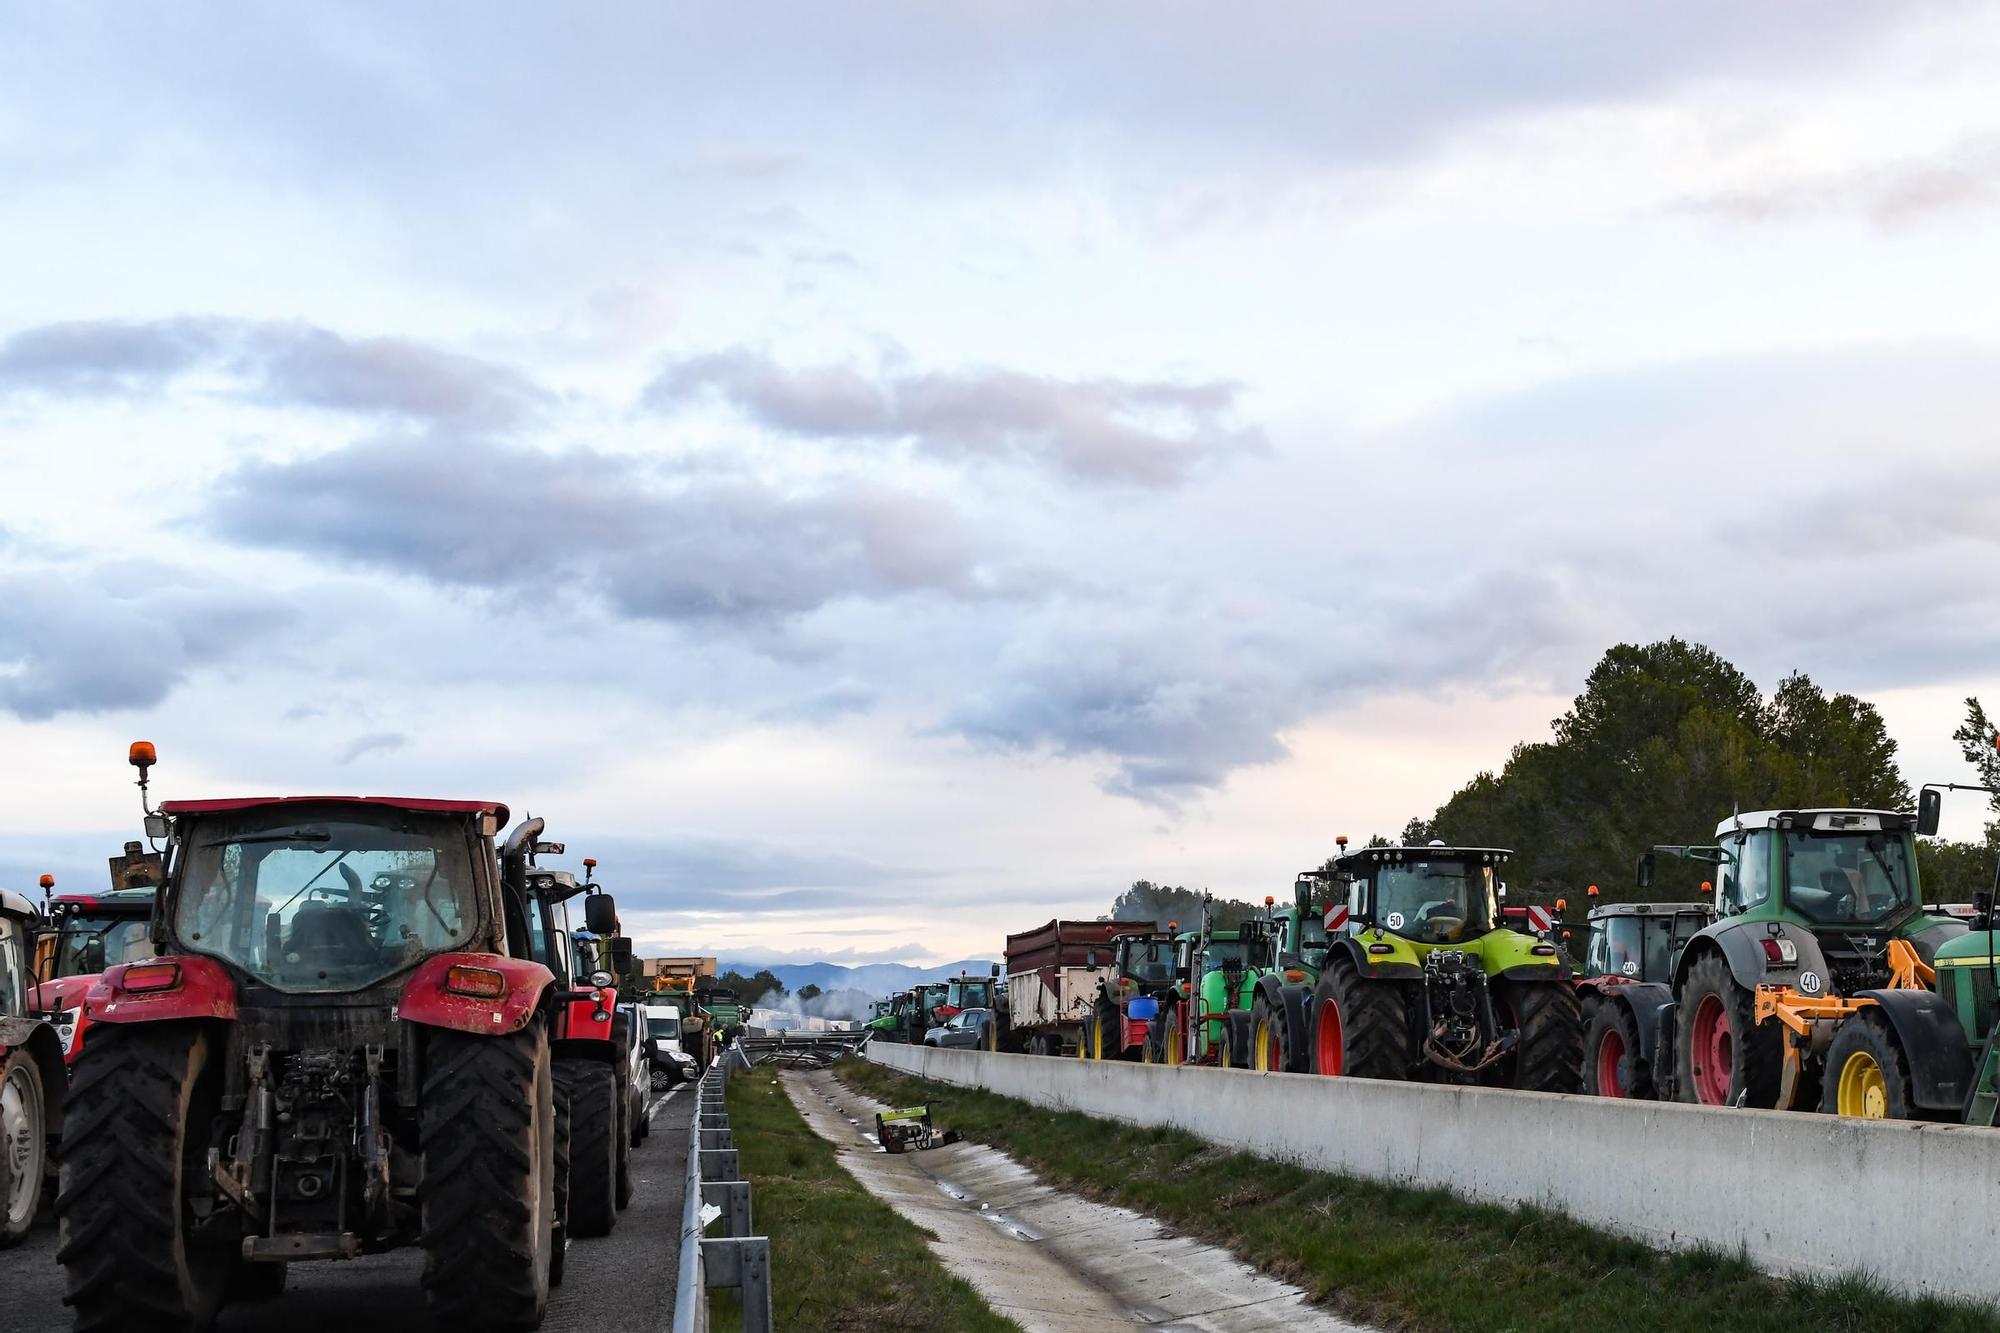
(622, 1283)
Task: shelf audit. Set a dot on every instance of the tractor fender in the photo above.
(1295, 1002)
(1397, 966)
(1741, 945)
(1933, 1042)
(1643, 1000)
(202, 988)
(1270, 989)
(425, 999)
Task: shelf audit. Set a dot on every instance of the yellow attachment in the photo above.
(1800, 1014)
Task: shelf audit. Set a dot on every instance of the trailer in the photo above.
(1054, 976)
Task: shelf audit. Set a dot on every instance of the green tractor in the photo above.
(1280, 1025)
(1424, 978)
(1206, 1019)
(1819, 912)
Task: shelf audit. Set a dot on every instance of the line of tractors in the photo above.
(309, 1028)
(1811, 976)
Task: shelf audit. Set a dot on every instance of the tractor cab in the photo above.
(1303, 932)
(964, 992)
(32, 1083)
(1640, 941)
(1433, 896)
(1146, 962)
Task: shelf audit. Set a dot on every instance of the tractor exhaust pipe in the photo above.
(523, 837)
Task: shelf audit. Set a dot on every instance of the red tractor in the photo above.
(31, 1077)
(588, 1043)
(1625, 984)
(342, 1047)
(84, 934)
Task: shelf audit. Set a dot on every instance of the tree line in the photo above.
(1666, 741)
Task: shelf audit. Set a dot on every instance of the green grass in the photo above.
(841, 1260)
(1420, 1259)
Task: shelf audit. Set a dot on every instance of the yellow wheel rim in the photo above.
(1260, 1046)
(1174, 1053)
(1863, 1090)
(1083, 1043)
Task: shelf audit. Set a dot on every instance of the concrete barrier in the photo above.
(1907, 1204)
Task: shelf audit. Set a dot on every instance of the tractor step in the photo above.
(1983, 1106)
(298, 1245)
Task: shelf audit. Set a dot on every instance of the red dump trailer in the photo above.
(1052, 982)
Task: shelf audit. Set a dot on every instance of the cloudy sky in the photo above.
(878, 476)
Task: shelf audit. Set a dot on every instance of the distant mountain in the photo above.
(873, 978)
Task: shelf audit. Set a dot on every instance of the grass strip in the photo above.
(841, 1260)
(1419, 1259)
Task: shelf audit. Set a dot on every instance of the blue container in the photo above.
(1143, 1009)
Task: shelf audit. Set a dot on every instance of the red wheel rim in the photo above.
(1610, 1055)
(1326, 1038)
(1711, 1048)
(1274, 1058)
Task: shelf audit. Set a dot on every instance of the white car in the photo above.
(670, 1064)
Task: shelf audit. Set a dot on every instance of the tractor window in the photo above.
(1312, 938)
(13, 977)
(325, 905)
(1436, 902)
(90, 944)
(1150, 960)
(1848, 877)
(1233, 954)
(1746, 879)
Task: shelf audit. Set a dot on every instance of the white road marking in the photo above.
(664, 1098)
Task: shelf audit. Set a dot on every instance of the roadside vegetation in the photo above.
(1411, 1259)
(841, 1261)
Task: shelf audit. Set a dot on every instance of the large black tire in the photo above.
(487, 1195)
(642, 1123)
(1235, 1052)
(1754, 1051)
(1361, 1027)
(136, 1137)
(625, 1134)
(1549, 1052)
(593, 1145)
(1865, 1044)
(559, 1251)
(1611, 1066)
(24, 1144)
(1107, 1033)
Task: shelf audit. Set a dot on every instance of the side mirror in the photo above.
(600, 914)
(1930, 806)
(621, 955)
(1643, 873)
(996, 969)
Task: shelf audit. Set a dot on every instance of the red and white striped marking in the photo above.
(1336, 917)
(1540, 919)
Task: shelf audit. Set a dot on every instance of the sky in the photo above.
(880, 476)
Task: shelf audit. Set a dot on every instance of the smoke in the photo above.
(847, 1005)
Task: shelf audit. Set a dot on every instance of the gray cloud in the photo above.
(119, 635)
(500, 518)
(1138, 433)
(376, 742)
(1890, 195)
(272, 364)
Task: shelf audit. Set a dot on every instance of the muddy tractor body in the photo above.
(1818, 913)
(1423, 978)
(83, 935)
(32, 1082)
(341, 1047)
(1144, 973)
(1625, 984)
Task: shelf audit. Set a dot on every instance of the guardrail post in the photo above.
(733, 1198)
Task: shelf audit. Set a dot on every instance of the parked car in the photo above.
(669, 1063)
(638, 1069)
(965, 1028)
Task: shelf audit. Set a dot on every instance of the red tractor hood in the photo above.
(61, 993)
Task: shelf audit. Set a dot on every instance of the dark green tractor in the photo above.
(1280, 1013)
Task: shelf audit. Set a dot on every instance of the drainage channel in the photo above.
(1051, 1261)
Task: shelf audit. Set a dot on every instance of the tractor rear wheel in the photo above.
(487, 1192)
(1360, 1026)
(1267, 1037)
(624, 1150)
(1867, 1074)
(135, 1148)
(1549, 1018)
(1235, 1052)
(592, 1088)
(1610, 1066)
(1173, 1042)
(24, 1144)
(1723, 1054)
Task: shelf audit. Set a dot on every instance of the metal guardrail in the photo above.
(715, 1181)
(811, 1050)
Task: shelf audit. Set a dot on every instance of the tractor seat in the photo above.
(323, 935)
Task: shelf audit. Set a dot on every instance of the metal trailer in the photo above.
(1054, 975)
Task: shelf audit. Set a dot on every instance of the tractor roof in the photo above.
(227, 804)
(1603, 910)
(1367, 856)
(113, 900)
(1824, 819)
(13, 904)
